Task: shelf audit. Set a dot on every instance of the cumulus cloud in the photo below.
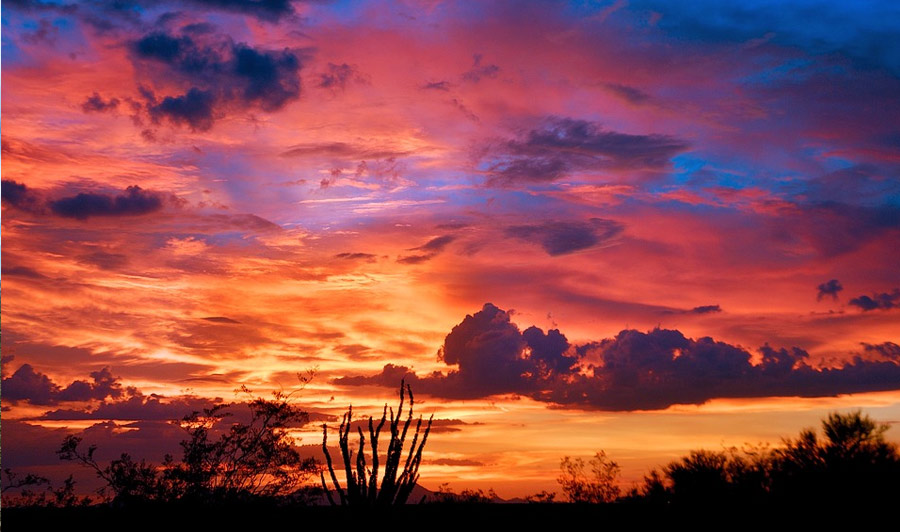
(20, 196)
(134, 201)
(634, 370)
(27, 384)
(96, 104)
(829, 289)
(882, 301)
(560, 146)
(887, 350)
(216, 73)
(560, 238)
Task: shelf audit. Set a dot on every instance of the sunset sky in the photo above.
(640, 226)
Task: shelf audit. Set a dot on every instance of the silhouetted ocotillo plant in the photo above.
(362, 481)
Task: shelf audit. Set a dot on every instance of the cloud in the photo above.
(96, 104)
(629, 94)
(457, 462)
(632, 371)
(18, 195)
(437, 85)
(436, 244)
(480, 71)
(336, 77)
(431, 249)
(882, 301)
(267, 10)
(560, 238)
(217, 73)
(141, 407)
(560, 146)
(26, 384)
(706, 309)
(887, 350)
(830, 288)
(220, 319)
(194, 109)
(368, 257)
(342, 150)
(135, 201)
(23, 271)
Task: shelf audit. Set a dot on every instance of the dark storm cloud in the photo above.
(829, 288)
(26, 384)
(632, 371)
(559, 238)
(216, 73)
(96, 104)
(134, 201)
(882, 301)
(560, 146)
(706, 309)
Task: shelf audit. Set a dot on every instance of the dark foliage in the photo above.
(223, 459)
(32, 490)
(852, 464)
(362, 488)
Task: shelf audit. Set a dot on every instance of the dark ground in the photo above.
(500, 517)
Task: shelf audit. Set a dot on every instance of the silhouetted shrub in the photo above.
(221, 461)
(362, 483)
(853, 464)
(599, 485)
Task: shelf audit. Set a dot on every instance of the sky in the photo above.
(638, 226)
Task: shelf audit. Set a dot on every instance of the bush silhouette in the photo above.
(362, 483)
(599, 485)
(852, 464)
(246, 460)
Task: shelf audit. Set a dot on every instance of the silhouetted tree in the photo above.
(257, 458)
(362, 482)
(599, 485)
(35, 490)
(854, 462)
